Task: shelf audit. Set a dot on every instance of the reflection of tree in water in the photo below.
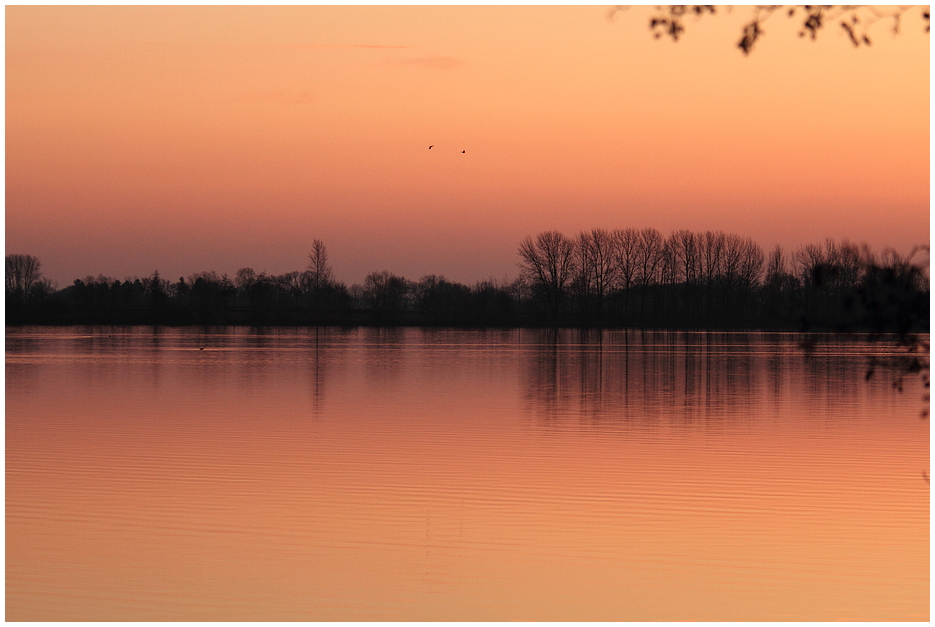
(324, 354)
(730, 371)
(836, 366)
(318, 366)
(634, 376)
(22, 373)
(384, 351)
(599, 376)
(548, 387)
(590, 355)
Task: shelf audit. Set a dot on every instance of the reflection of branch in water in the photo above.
(651, 377)
(385, 351)
(318, 377)
(914, 362)
(608, 375)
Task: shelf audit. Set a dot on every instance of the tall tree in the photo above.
(22, 271)
(156, 289)
(626, 249)
(319, 270)
(385, 295)
(684, 246)
(597, 265)
(549, 263)
(648, 261)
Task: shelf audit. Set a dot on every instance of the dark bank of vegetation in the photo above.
(621, 278)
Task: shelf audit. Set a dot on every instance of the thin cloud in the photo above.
(431, 63)
(280, 95)
(346, 46)
(301, 97)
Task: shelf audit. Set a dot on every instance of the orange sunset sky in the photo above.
(185, 138)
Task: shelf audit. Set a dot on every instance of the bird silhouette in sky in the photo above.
(432, 146)
(463, 151)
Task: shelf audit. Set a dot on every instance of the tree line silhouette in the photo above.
(600, 278)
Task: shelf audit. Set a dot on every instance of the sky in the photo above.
(184, 139)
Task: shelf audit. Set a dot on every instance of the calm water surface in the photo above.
(410, 474)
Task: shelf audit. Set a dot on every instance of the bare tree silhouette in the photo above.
(384, 295)
(549, 264)
(319, 271)
(597, 269)
(22, 271)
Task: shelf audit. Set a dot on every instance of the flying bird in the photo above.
(462, 152)
(432, 146)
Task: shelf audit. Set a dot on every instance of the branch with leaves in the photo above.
(855, 20)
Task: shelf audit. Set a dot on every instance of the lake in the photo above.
(442, 474)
